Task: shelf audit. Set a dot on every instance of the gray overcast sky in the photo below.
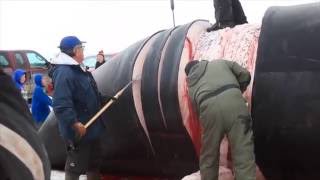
(109, 25)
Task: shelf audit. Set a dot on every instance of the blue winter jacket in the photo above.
(75, 99)
(40, 101)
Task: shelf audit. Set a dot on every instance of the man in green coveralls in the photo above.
(215, 89)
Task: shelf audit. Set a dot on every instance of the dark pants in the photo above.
(83, 158)
(229, 11)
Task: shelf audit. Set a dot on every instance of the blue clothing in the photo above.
(40, 101)
(17, 74)
(75, 99)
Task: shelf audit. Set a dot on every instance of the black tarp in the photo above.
(286, 94)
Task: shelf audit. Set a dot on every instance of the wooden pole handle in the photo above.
(105, 107)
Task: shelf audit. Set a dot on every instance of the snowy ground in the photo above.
(59, 175)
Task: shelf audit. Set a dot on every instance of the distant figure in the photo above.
(19, 77)
(228, 13)
(215, 89)
(100, 59)
(40, 100)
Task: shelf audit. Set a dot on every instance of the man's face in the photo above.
(78, 51)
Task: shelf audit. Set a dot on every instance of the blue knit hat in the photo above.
(69, 42)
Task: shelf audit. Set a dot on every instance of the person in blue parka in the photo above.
(40, 100)
(19, 78)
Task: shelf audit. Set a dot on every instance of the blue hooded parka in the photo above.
(17, 74)
(40, 101)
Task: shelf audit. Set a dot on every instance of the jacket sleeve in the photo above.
(62, 103)
(243, 75)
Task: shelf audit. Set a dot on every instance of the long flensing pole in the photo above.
(105, 107)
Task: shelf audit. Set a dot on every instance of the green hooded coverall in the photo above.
(215, 89)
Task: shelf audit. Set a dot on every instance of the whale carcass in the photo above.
(152, 129)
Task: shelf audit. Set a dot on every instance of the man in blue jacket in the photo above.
(75, 100)
(40, 100)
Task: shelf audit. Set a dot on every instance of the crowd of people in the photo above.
(41, 103)
(71, 92)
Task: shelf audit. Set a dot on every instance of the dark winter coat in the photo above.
(98, 64)
(75, 99)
